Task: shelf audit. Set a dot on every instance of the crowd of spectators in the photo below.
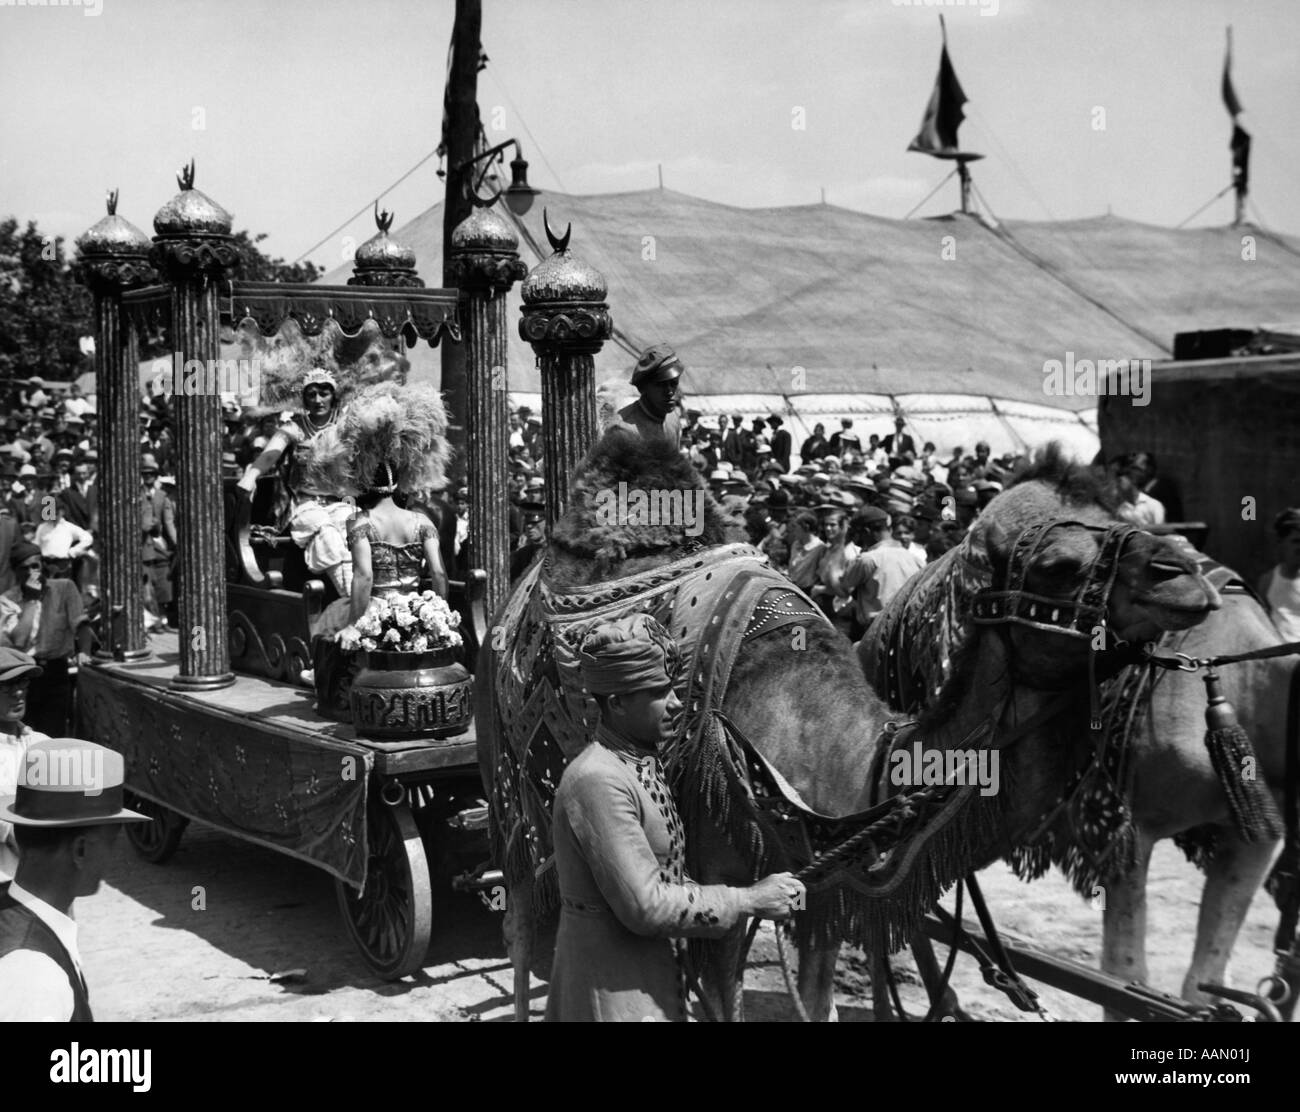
(849, 522)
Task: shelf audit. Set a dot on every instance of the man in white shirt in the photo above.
(67, 811)
(1136, 506)
(878, 572)
(74, 405)
(1280, 586)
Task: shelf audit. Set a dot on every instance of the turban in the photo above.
(21, 552)
(631, 654)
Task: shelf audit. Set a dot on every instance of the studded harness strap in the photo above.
(1078, 616)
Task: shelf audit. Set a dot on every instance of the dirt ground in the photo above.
(151, 954)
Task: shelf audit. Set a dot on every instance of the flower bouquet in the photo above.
(412, 623)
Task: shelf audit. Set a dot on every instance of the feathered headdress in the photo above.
(395, 432)
(287, 361)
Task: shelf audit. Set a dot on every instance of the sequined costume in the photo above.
(620, 858)
(317, 518)
(395, 567)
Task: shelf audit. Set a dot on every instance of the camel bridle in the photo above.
(1077, 616)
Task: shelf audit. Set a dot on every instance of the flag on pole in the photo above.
(1240, 142)
(943, 115)
(1229, 93)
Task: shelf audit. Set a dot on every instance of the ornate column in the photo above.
(566, 320)
(484, 264)
(194, 250)
(114, 257)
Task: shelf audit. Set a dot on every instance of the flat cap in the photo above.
(659, 363)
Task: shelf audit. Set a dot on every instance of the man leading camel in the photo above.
(620, 845)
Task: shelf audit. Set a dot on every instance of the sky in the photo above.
(299, 112)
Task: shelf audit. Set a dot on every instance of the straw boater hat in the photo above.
(80, 784)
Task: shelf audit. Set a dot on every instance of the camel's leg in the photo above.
(882, 1007)
(1124, 919)
(931, 973)
(1232, 878)
(816, 983)
(518, 928)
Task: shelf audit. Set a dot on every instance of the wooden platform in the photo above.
(289, 708)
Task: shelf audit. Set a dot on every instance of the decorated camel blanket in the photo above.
(711, 602)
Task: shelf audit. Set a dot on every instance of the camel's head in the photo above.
(1073, 577)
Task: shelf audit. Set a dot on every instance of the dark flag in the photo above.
(1240, 143)
(943, 115)
(1229, 93)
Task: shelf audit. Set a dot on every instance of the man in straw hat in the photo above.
(66, 812)
(620, 845)
(654, 415)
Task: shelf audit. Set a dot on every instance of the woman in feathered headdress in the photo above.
(390, 444)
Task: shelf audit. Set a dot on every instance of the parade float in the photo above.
(216, 721)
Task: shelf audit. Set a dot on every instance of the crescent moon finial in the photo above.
(112, 202)
(383, 219)
(185, 179)
(558, 243)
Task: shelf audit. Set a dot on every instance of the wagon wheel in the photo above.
(391, 919)
(155, 841)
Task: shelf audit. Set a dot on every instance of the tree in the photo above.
(45, 311)
(258, 267)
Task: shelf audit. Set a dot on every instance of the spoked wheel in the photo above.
(155, 841)
(391, 919)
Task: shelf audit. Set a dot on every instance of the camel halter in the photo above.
(1077, 616)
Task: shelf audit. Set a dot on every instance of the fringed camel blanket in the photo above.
(713, 602)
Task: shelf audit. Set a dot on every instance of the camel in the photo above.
(797, 694)
(1173, 790)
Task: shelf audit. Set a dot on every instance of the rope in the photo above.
(1181, 662)
(932, 192)
(1207, 204)
(789, 983)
